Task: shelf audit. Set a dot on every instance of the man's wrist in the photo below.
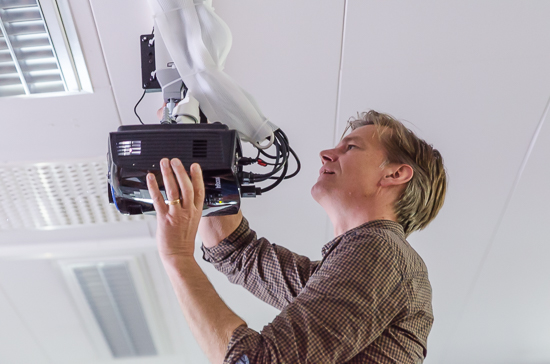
(178, 260)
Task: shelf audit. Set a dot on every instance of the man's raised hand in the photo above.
(178, 218)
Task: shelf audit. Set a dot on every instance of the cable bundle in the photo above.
(279, 161)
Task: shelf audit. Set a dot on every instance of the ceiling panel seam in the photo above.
(492, 239)
(340, 66)
(105, 62)
(27, 328)
(328, 231)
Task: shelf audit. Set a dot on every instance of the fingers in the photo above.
(176, 182)
(170, 186)
(198, 185)
(184, 183)
(158, 199)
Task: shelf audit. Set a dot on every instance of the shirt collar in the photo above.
(370, 225)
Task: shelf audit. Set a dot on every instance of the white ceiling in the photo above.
(473, 78)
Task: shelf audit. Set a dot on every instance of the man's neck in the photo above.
(345, 218)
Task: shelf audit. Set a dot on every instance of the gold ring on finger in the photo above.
(173, 202)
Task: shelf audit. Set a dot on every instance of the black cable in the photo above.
(276, 168)
(285, 163)
(135, 107)
(265, 154)
(144, 91)
(280, 131)
(283, 153)
(276, 183)
(298, 164)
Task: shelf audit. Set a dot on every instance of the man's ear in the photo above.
(397, 175)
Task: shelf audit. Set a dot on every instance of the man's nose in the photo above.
(328, 155)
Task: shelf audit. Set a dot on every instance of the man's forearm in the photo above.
(211, 321)
(213, 230)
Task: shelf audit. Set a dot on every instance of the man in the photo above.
(367, 301)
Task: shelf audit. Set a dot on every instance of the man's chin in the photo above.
(318, 191)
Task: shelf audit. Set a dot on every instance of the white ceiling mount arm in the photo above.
(198, 42)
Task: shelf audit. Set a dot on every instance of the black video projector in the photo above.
(137, 150)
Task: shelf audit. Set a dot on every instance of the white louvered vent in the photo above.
(112, 297)
(34, 57)
(50, 195)
(28, 61)
(117, 306)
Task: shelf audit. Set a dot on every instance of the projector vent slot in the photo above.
(114, 302)
(129, 147)
(199, 148)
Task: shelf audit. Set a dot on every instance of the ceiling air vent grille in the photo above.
(112, 297)
(50, 195)
(28, 63)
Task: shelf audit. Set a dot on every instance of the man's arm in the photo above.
(210, 320)
(272, 273)
(213, 230)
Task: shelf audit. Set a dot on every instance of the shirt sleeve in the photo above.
(345, 306)
(270, 272)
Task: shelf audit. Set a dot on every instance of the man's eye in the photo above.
(351, 146)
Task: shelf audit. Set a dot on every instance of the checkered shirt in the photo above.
(367, 301)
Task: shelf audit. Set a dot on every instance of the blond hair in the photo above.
(424, 194)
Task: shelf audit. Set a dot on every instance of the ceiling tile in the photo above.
(508, 307)
(472, 78)
(60, 126)
(17, 343)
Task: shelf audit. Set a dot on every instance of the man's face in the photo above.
(352, 170)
